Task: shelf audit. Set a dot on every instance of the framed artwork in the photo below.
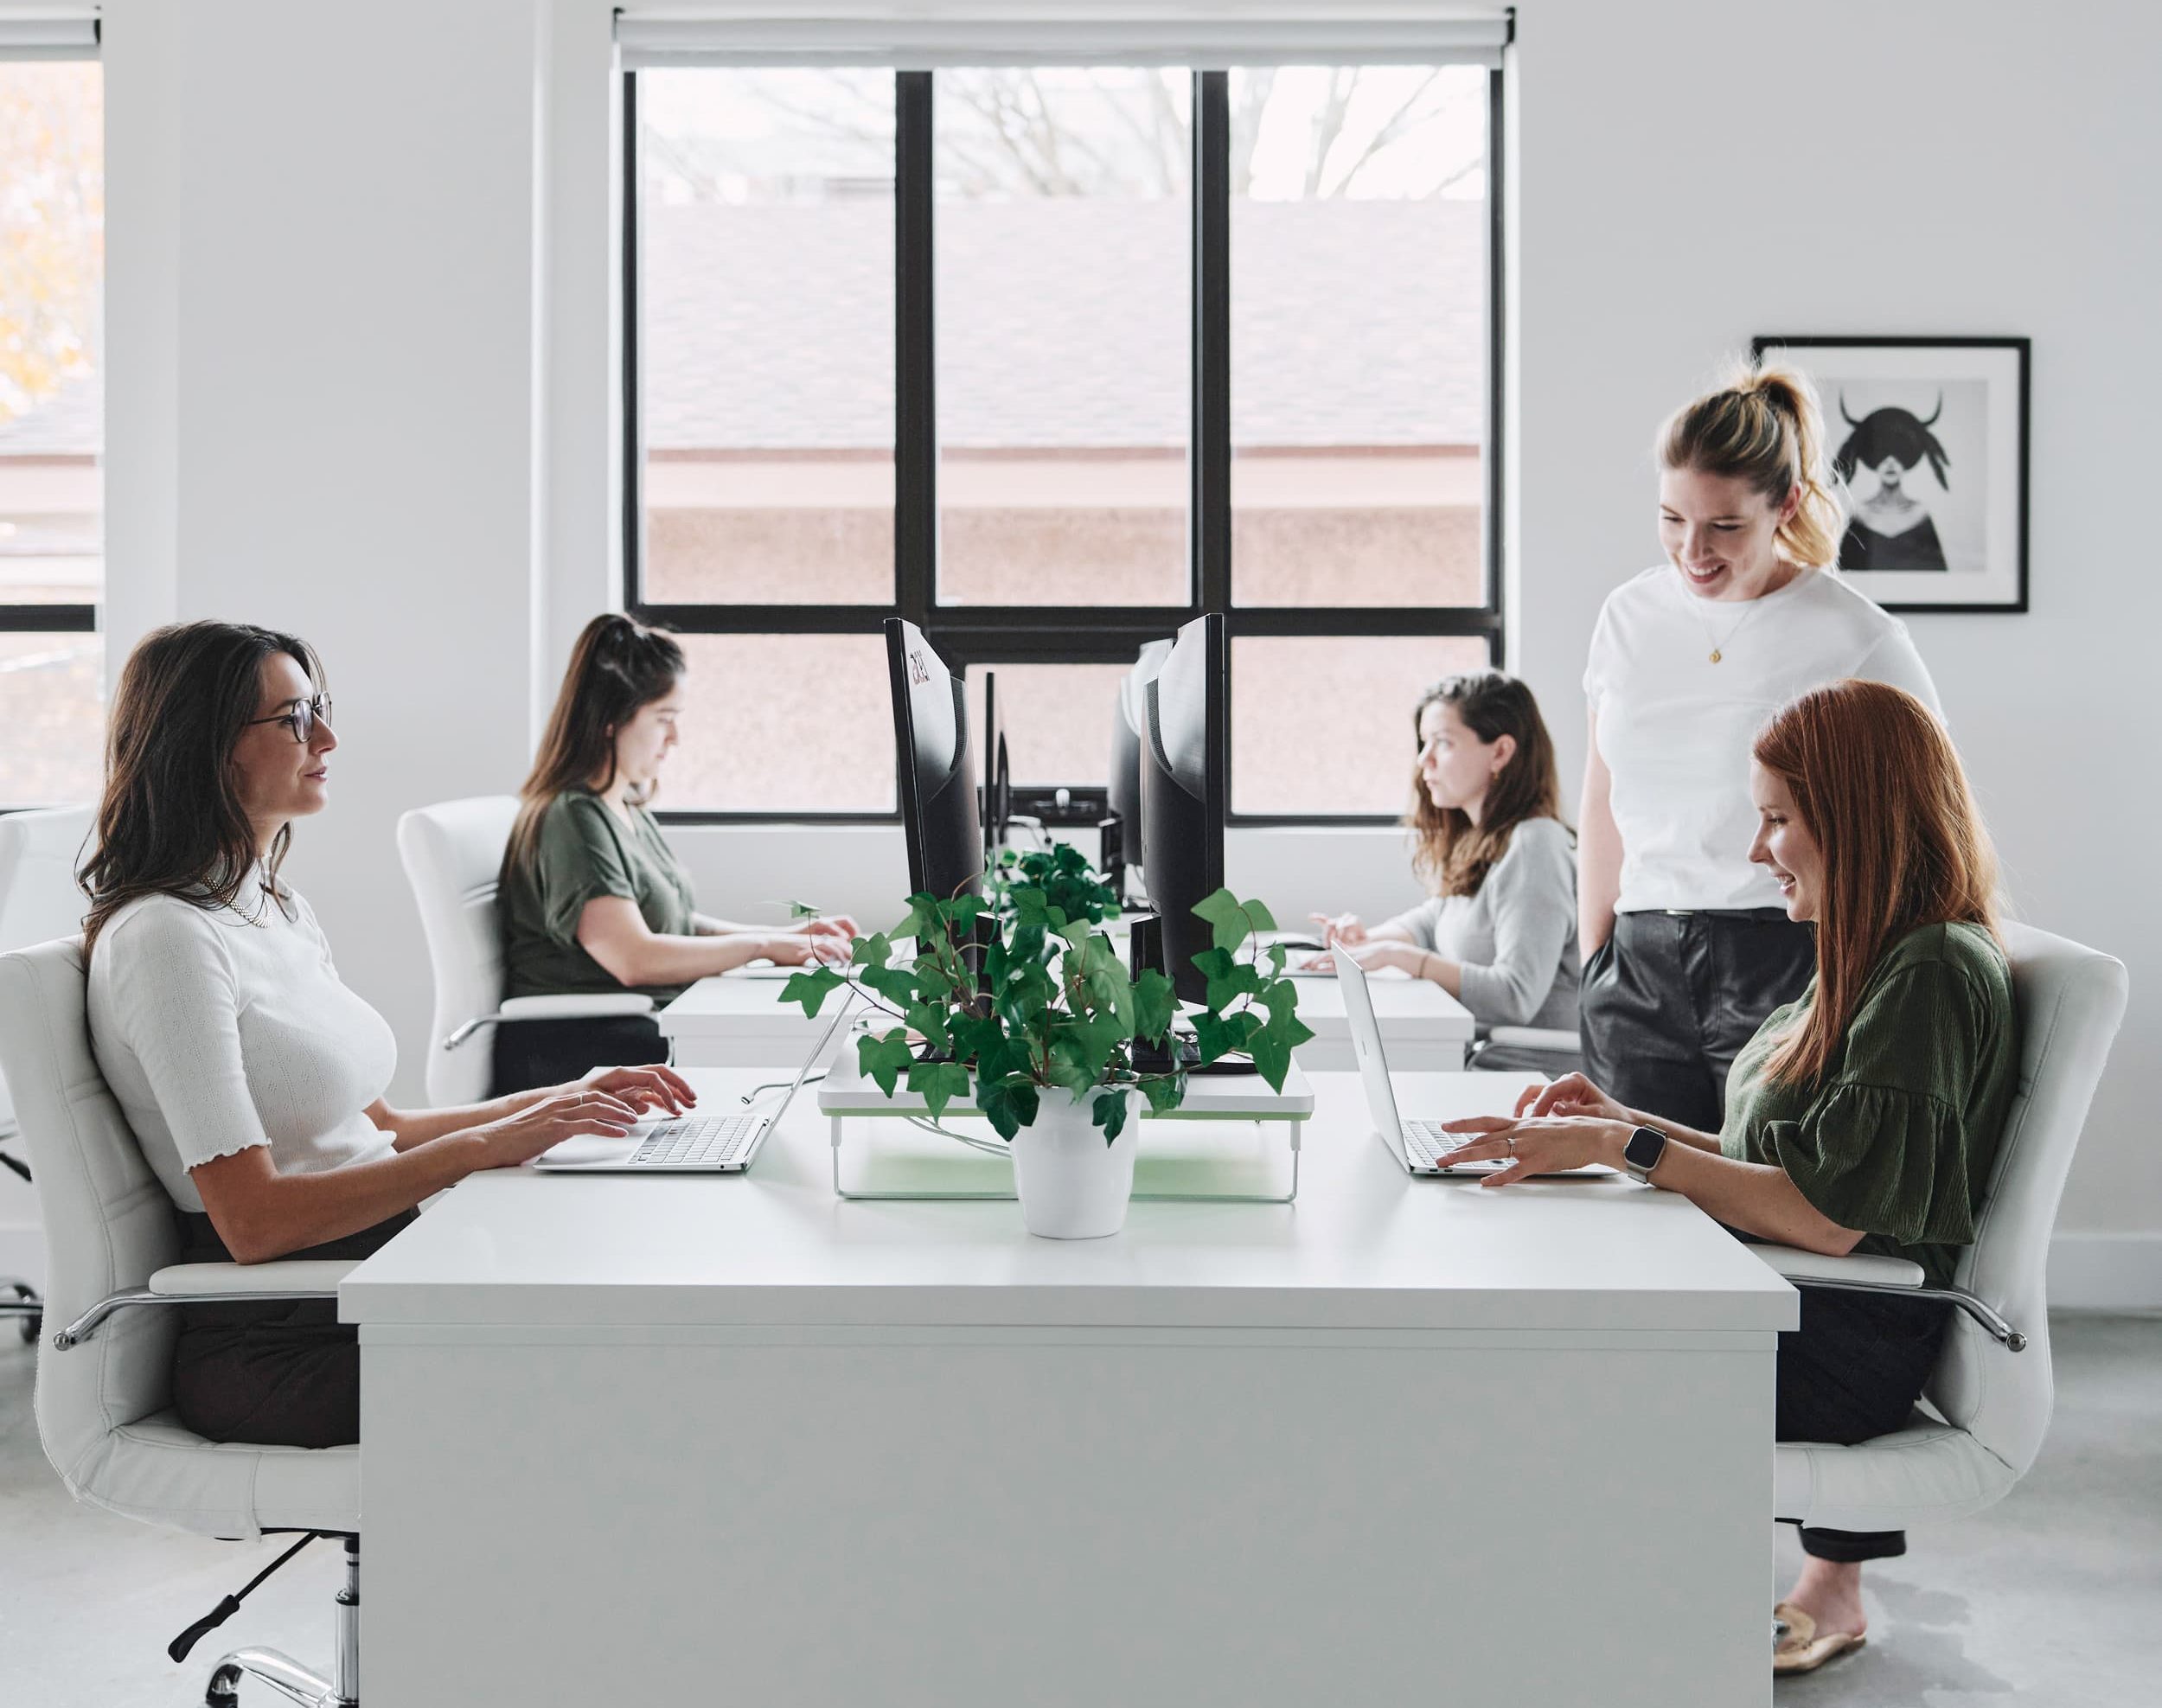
(1930, 435)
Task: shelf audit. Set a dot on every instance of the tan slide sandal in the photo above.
(1799, 1649)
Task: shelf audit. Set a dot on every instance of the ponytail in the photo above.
(1764, 427)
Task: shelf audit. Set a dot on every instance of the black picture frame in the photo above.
(1981, 568)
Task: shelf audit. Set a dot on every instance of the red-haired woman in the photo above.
(1863, 1116)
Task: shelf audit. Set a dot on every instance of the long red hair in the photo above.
(1877, 784)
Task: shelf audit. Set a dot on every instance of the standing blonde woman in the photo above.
(1686, 945)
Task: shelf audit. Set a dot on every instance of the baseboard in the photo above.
(2106, 1272)
(22, 1255)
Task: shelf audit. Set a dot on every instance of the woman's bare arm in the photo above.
(1598, 850)
(614, 933)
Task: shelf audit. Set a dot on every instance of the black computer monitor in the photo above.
(997, 807)
(1128, 719)
(1184, 754)
(933, 766)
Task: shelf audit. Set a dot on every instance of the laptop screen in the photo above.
(1366, 1037)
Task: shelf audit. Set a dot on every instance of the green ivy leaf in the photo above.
(883, 1060)
(922, 922)
(1154, 1002)
(939, 1083)
(802, 910)
(1164, 1091)
(811, 989)
(1222, 1035)
(1008, 1106)
(1231, 919)
(1281, 1000)
(1108, 1112)
(1241, 981)
(963, 911)
(1271, 1050)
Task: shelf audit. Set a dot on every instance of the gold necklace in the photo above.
(1719, 646)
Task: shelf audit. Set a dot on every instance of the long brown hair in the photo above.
(1765, 426)
(1453, 854)
(170, 821)
(1879, 787)
(618, 665)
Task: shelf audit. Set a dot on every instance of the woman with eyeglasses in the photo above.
(253, 1078)
(592, 899)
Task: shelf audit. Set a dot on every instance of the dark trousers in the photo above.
(282, 1374)
(548, 1053)
(1669, 1000)
(1852, 1371)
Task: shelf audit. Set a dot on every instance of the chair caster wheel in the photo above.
(224, 1689)
(30, 1328)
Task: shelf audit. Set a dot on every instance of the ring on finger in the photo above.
(1509, 1139)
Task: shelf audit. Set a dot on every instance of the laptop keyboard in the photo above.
(1429, 1143)
(697, 1140)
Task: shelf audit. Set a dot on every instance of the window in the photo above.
(52, 429)
(1049, 359)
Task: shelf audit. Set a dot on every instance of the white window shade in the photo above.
(61, 36)
(1370, 33)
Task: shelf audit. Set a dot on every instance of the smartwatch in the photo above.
(1642, 1152)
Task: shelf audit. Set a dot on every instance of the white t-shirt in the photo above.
(217, 1033)
(1675, 729)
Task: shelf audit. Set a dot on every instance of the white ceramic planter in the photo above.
(1071, 1185)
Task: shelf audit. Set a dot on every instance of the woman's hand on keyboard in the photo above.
(644, 1089)
(576, 1112)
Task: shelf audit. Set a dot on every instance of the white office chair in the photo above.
(104, 1382)
(39, 899)
(452, 854)
(1991, 1392)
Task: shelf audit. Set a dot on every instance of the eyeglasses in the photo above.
(301, 717)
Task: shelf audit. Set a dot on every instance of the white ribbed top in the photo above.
(217, 1032)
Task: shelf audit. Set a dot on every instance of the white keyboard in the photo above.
(696, 1142)
(1429, 1143)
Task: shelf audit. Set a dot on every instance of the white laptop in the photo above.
(688, 1144)
(1421, 1146)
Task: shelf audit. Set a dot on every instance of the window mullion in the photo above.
(915, 411)
(1210, 455)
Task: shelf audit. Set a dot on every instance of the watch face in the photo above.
(1645, 1146)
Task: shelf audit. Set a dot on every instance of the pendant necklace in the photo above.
(1718, 645)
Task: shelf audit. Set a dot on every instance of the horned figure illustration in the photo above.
(1891, 528)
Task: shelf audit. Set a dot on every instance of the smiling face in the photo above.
(1720, 532)
(1455, 766)
(280, 780)
(644, 744)
(1784, 846)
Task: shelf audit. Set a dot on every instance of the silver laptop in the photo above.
(688, 1144)
(1420, 1146)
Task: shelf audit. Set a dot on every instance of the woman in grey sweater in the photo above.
(1500, 931)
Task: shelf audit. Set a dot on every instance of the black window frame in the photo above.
(970, 636)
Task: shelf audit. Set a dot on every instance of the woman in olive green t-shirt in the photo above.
(1864, 1117)
(592, 898)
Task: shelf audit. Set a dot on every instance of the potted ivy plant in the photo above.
(1053, 1038)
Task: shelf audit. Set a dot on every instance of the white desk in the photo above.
(726, 1438)
(740, 1022)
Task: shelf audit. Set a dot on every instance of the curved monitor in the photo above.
(1182, 794)
(933, 766)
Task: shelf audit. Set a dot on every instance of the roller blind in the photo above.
(58, 37)
(1370, 34)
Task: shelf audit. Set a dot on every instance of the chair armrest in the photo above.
(1548, 1038)
(1892, 1275)
(1798, 1265)
(598, 1006)
(242, 1281)
(214, 1283)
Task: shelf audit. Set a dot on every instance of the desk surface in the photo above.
(740, 1007)
(1365, 1247)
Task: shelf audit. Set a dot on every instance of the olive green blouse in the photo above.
(1898, 1137)
(584, 851)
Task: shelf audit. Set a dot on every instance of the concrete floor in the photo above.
(2053, 1599)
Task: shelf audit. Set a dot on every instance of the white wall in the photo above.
(325, 225)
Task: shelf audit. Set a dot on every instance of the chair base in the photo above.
(288, 1677)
